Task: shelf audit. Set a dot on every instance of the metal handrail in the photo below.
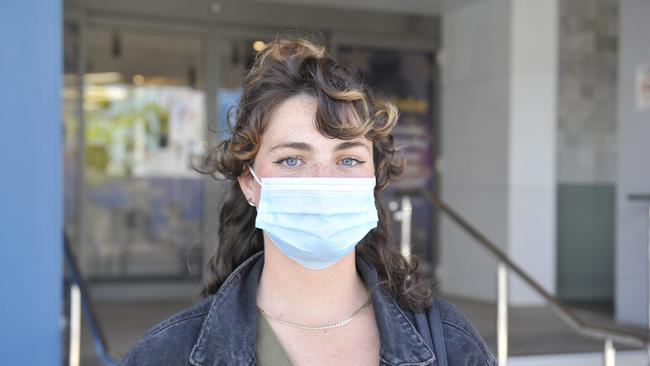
(594, 331)
(87, 308)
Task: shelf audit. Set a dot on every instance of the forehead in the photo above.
(297, 113)
(295, 118)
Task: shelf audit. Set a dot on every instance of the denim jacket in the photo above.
(221, 329)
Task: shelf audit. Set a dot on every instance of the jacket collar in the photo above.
(228, 334)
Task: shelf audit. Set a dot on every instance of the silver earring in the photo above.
(250, 202)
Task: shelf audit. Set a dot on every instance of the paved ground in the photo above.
(537, 330)
(533, 330)
(123, 324)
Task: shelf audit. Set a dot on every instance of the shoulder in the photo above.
(170, 341)
(463, 344)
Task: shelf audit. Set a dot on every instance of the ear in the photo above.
(249, 187)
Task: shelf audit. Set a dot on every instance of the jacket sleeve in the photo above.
(159, 349)
(168, 343)
(463, 345)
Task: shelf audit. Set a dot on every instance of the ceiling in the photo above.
(416, 7)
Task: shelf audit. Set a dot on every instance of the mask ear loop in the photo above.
(250, 168)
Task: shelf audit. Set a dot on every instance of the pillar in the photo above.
(498, 142)
(631, 253)
(31, 210)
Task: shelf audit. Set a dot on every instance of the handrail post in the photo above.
(502, 314)
(648, 284)
(405, 237)
(75, 325)
(609, 353)
(80, 305)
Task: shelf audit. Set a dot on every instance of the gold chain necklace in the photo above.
(342, 323)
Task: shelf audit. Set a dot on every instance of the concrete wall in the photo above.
(586, 135)
(30, 188)
(588, 43)
(633, 166)
(498, 142)
(474, 148)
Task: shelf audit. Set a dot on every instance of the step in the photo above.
(623, 358)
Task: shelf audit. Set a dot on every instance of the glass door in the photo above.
(144, 121)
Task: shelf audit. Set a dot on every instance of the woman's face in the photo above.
(291, 146)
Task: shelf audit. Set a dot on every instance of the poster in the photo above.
(227, 100)
(643, 87)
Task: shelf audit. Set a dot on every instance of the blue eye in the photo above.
(349, 162)
(290, 162)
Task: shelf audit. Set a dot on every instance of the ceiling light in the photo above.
(138, 79)
(259, 45)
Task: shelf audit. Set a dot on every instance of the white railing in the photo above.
(505, 265)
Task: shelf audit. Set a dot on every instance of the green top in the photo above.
(268, 350)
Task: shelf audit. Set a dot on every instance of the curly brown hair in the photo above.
(285, 68)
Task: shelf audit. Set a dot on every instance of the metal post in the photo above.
(75, 324)
(648, 345)
(405, 238)
(648, 303)
(609, 353)
(502, 314)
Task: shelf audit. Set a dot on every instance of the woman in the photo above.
(304, 273)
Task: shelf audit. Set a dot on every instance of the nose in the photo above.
(320, 170)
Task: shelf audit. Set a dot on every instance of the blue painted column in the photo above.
(30, 182)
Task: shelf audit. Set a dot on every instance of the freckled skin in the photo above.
(293, 121)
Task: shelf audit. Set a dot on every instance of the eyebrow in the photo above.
(293, 145)
(306, 147)
(350, 144)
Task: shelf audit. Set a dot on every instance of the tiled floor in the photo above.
(533, 330)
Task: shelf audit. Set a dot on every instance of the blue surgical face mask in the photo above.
(316, 221)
